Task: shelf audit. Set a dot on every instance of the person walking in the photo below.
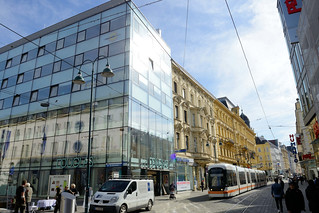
(282, 184)
(277, 193)
(57, 200)
(172, 190)
(20, 198)
(202, 185)
(295, 202)
(312, 194)
(28, 196)
(75, 193)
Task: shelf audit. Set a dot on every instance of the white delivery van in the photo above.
(123, 195)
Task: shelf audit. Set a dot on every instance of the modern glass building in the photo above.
(44, 117)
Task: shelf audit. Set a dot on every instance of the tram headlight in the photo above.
(222, 189)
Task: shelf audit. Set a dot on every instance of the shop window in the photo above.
(54, 91)
(20, 78)
(81, 36)
(60, 44)
(4, 83)
(34, 96)
(16, 100)
(9, 63)
(41, 51)
(37, 73)
(24, 57)
(56, 66)
(105, 27)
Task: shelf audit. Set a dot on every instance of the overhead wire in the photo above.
(250, 72)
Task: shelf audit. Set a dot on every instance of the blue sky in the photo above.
(212, 52)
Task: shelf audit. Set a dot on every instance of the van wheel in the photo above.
(123, 209)
(149, 205)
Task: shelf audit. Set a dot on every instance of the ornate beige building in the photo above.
(206, 130)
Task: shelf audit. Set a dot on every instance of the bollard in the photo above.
(67, 203)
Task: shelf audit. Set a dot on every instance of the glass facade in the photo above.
(132, 122)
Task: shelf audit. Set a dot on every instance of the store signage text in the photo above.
(293, 146)
(77, 162)
(155, 163)
(292, 6)
(316, 129)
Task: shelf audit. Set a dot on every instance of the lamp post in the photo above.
(107, 72)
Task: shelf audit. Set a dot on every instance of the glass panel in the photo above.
(37, 72)
(65, 88)
(32, 54)
(70, 40)
(91, 55)
(67, 63)
(54, 91)
(28, 76)
(25, 97)
(24, 57)
(16, 100)
(116, 48)
(50, 48)
(34, 96)
(93, 31)
(60, 44)
(103, 51)
(81, 36)
(105, 27)
(43, 93)
(57, 66)
(20, 79)
(118, 23)
(46, 70)
(41, 51)
(12, 81)
(78, 60)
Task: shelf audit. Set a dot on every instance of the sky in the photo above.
(211, 52)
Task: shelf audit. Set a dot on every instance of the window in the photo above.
(9, 63)
(195, 144)
(76, 87)
(185, 116)
(151, 64)
(4, 83)
(103, 51)
(37, 72)
(186, 141)
(133, 186)
(259, 150)
(60, 44)
(105, 27)
(192, 98)
(194, 123)
(176, 112)
(41, 51)
(177, 140)
(34, 96)
(16, 100)
(1, 104)
(175, 87)
(24, 57)
(20, 78)
(56, 66)
(184, 93)
(78, 59)
(81, 36)
(54, 91)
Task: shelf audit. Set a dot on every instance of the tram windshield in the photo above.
(216, 177)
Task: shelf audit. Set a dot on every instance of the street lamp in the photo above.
(107, 72)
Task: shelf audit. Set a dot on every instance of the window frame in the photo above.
(8, 63)
(36, 71)
(108, 29)
(57, 64)
(4, 83)
(41, 51)
(59, 45)
(32, 99)
(56, 87)
(24, 57)
(16, 100)
(20, 78)
(80, 34)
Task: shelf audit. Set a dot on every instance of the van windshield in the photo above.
(114, 186)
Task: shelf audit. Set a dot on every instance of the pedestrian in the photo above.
(20, 198)
(75, 193)
(282, 184)
(312, 194)
(28, 196)
(294, 199)
(202, 185)
(57, 200)
(172, 190)
(277, 193)
(66, 189)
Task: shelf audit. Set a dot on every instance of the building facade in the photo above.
(132, 125)
(264, 155)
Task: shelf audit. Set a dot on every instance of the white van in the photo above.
(123, 195)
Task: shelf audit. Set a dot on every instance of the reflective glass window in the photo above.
(4, 83)
(81, 36)
(34, 96)
(60, 44)
(64, 88)
(54, 91)
(93, 31)
(41, 51)
(28, 76)
(16, 100)
(43, 93)
(7, 102)
(50, 48)
(2, 65)
(103, 51)
(70, 40)
(46, 70)
(116, 48)
(20, 78)
(16, 60)
(24, 98)
(100, 80)
(78, 59)
(9, 62)
(76, 87)
(57, 66)
(1, 104)
(12, 81)
(105, 27)
(117, 23)
(91, 55)
(37, 72)
(67, 63)
(24, 57)
(32, 54)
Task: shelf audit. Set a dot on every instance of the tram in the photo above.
(226, 180)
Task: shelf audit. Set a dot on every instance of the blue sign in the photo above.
(296, 160)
